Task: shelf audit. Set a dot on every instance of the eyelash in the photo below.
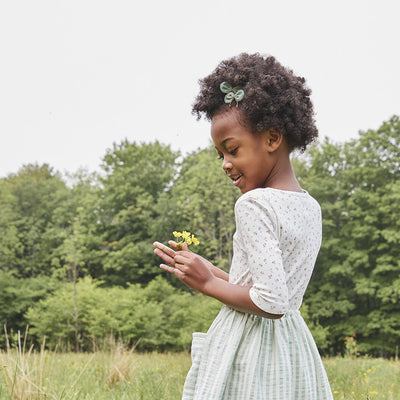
(232, 153)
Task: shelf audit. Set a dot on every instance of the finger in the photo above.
(175, 245)
(167, 268)
(164, 248)
(183, 257)
(164, 257)
(181, 267)
(180, 258)
(180, 275)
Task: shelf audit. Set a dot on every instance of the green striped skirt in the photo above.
(244, 357)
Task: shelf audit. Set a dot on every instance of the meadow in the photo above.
(122, 374)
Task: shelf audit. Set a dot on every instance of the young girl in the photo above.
(259, 346)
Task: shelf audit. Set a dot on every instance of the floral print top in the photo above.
(277, 239)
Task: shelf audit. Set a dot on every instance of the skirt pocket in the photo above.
(197, 345)
(196, 353)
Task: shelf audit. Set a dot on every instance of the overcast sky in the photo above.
(77, 76)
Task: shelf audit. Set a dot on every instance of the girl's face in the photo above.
(247, 157)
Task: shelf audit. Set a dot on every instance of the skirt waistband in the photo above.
(288, 314)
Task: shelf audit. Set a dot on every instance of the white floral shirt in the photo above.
(277, 239)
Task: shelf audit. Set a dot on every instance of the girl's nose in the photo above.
(226, 165)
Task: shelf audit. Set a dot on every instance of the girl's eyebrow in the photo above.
(225, 140)
(223, 143)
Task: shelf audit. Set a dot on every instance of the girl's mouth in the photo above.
(236, 179)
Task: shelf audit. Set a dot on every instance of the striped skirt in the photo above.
(244, 357)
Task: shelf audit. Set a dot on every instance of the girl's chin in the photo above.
(244, 189)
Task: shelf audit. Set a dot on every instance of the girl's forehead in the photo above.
(222, 126)
(227, 127)
(225, 121)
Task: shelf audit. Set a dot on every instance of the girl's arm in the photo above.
(195, 272)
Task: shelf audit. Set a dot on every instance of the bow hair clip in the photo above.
(232, 93)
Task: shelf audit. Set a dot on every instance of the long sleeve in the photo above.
(257, 231)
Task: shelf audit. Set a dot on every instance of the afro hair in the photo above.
(274, 98)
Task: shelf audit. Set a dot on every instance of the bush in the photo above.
(156, 317)
(16, 296)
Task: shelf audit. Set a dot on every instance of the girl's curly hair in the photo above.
(274, 97)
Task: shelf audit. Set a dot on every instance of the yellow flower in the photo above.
(187, 237)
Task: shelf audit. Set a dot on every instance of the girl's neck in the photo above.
(282, 176)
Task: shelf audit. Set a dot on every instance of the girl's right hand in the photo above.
(169, 259)
(218, 272)
(167, 254)
(192, 269)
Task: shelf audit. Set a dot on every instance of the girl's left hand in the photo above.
(189, 267)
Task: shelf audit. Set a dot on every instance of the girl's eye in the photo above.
(233, 152)
(220, 157)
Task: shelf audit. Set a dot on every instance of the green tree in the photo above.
(76, 223)
(16, 296)
(155, 317)
(135, 176)
(45, 225)
(73, 248)
(34, 193)
(11, 247)
(355, 285)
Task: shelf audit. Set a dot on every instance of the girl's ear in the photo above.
(273, 139)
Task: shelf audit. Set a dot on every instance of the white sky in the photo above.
(78, 75)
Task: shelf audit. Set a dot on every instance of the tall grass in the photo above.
(23, 373)
(123, 374)
(364, 378)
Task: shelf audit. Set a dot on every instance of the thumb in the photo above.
(178, 246)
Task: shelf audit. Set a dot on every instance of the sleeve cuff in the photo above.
(268, 303)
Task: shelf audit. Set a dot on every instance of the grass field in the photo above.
(121, 374)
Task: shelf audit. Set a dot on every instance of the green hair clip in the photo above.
(232, 93)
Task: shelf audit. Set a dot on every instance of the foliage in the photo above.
(11, 248)
(153, 317)
(27, 240)
(355, 288)
(320, 333)
(77, 251)
(16, 296)
(135, 176)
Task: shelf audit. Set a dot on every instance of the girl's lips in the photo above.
(237, 180)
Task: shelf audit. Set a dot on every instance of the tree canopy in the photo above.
(77, 262)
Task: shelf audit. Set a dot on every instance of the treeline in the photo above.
(77, 262)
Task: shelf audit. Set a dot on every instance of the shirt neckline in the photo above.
(303, 192)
